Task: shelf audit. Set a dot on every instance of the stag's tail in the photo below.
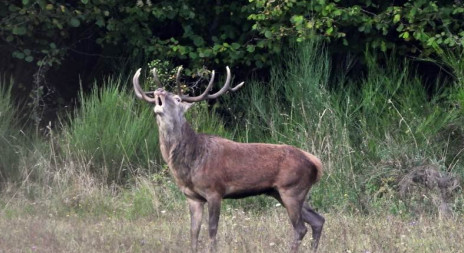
(317, 162)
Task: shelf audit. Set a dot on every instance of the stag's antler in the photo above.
(145, 95)
(205, 94)
(138, 90)
(155, 77)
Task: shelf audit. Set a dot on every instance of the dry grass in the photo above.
(239, 232)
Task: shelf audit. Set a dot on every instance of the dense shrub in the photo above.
(113, 134)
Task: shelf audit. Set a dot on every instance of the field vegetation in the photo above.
(392, 151)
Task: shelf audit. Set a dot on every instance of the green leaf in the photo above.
(25, 2)
(100, 22)
(29, 58)
(18, 54)
(329, 30)
(85, 1)
(235, 46)
(345, 42)
(405, 35)
(251, 48)
(207, 52)
(297, 19)
(74, 22)
(268, 34)
(396, 18)
(193, 55)
(261, 43)
(198, 41)
(400, 28)
(19, 30)
(383, 46)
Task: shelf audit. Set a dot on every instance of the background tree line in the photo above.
(64, 41)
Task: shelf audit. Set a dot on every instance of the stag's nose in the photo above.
(160, 91)
(160, 95)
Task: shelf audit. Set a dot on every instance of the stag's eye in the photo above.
(177, 98)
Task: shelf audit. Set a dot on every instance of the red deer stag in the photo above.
(208, 168)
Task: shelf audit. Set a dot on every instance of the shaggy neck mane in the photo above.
(182, 148)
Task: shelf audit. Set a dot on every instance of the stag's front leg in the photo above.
(196, 213)
(214, 209)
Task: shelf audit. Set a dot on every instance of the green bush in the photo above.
(113, 132)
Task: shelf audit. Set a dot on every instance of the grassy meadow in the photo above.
(239, 231)
(392, 152)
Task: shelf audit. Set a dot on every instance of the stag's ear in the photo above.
(186, 105)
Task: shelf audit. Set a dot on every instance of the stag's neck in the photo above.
(182, 149)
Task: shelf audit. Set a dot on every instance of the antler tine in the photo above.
(204, 95)
(224, 88)
(238, 86)
(155, 77)
(179, 89)
(135, 81)
(138, 90)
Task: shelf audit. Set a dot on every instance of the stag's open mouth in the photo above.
(159, 101)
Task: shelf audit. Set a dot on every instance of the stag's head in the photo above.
(169, 107)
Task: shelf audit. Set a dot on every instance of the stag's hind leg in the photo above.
(316, 221)
(293, 202)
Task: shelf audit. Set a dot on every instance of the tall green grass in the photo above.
(370, 132)
(9, 133)
(113, 133)
(454, 61)
(397, 129)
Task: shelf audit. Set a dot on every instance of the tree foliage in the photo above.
(412, 26)
(204, 32)
(207, 32)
